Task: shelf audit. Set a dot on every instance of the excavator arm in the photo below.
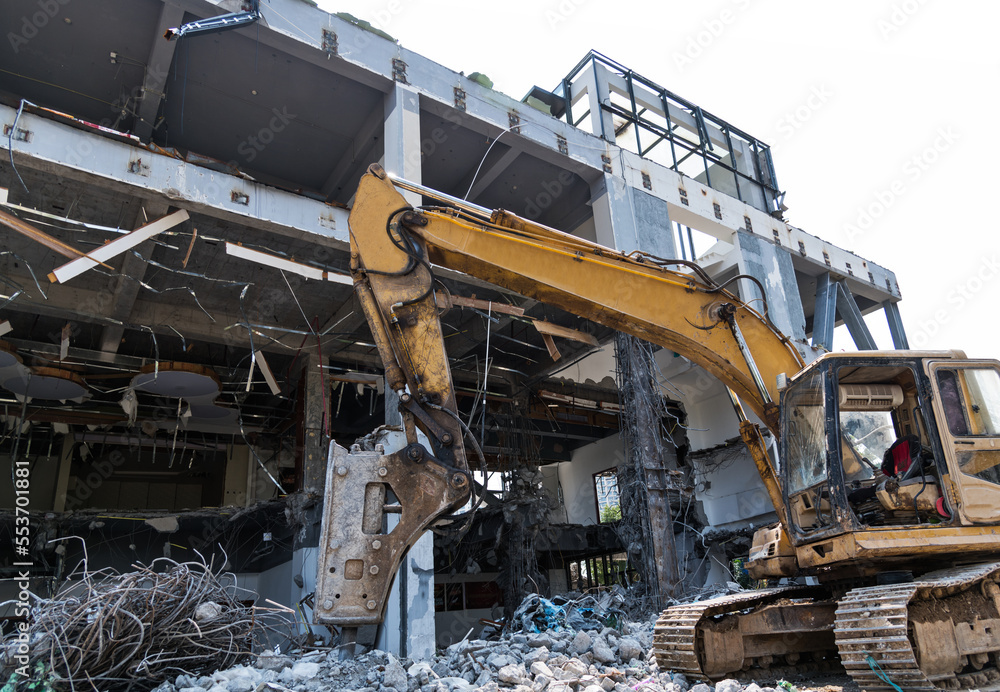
(392, 249)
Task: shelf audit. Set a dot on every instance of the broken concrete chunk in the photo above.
(701, 687)
(240, 684)
(511, 674)
(207, 611)
(628, 649)
(574, 668)
(728, 686)
(581, 643)
(484, 677)
(305, 670)
(275, 662)
(539, 654)
(421, 672)
(539, 640)
(395, 675)
(601, 651)
(539, 668)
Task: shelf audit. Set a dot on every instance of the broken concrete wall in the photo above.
(577, 478)
(553, 486)
(730, 493)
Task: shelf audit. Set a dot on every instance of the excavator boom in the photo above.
(392, 249)
(635, 295)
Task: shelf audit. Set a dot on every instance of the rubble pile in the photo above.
(547, 661)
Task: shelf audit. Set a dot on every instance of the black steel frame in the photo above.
(680, 148)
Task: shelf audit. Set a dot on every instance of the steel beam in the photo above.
(63, 151)
(824, 312)
(851, 315)
(157, 68)
(896, 329)
(354, 166)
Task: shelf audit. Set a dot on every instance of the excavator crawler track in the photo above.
(941, 631)
(679, 637)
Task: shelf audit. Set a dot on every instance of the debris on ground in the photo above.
(577, 612)
(565, 661)
(545, 651)
(109, 630)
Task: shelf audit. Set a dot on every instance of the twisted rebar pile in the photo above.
(112, 631)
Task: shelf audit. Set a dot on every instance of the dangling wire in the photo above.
(483, 160)
(10, 140)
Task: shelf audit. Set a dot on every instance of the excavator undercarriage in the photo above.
(940, 631)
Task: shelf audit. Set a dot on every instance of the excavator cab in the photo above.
(881, 440)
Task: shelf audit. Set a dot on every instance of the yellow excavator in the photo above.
(886, 480)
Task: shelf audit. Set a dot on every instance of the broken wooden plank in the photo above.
(116, 247)
(29, 231)
(356, 378)
(265, 370)
(547, 328)
(268, 260)
(485, 305)
(282, 264)
(551, 345)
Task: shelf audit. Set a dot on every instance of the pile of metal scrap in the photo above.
(110, 631)
(539, 614)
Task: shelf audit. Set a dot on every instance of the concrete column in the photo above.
(408, 629)
(650, 450)
(62, 475)
(314, 422)
(596, 83)
(238, 473)
(630, 219)
(402, 136)
(772, 266)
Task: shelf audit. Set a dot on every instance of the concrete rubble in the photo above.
(565, 661)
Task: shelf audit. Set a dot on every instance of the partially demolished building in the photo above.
(175, 391)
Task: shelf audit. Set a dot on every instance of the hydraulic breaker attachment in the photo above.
(362, 543)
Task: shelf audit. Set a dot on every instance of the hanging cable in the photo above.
(10, 141)
(30, 270)
(483, 160)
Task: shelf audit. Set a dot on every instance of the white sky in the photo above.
(847, 94)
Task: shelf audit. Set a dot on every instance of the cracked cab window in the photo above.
(805, 447)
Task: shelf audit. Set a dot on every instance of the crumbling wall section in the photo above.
(656, 497)
(526, 508)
